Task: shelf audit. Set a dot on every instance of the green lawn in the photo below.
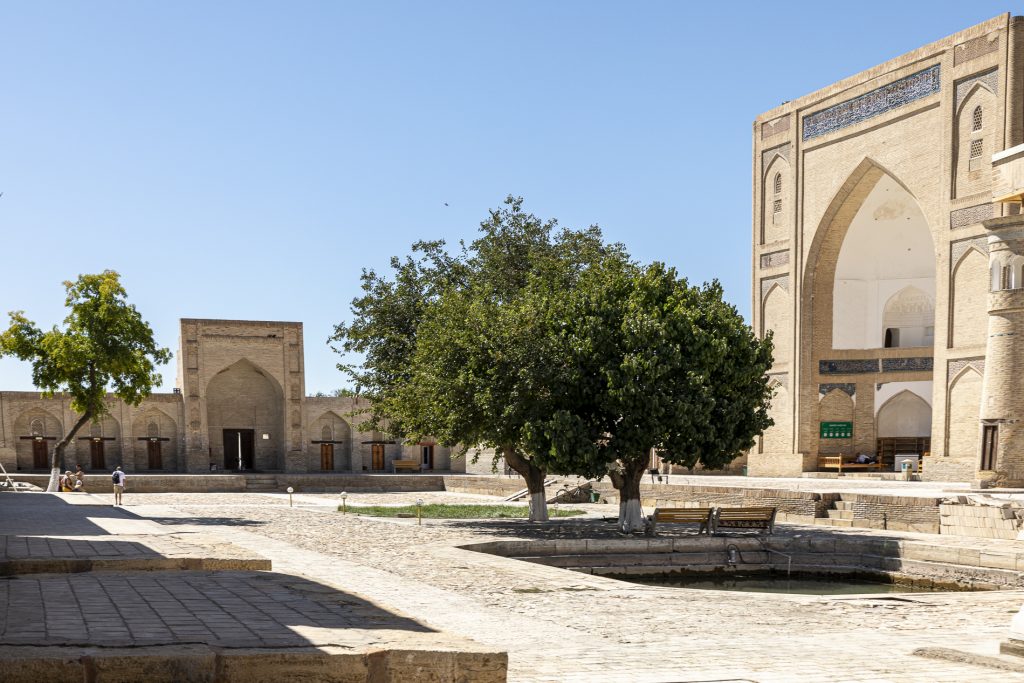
(440, 511)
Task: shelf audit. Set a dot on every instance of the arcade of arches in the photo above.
(239, 403)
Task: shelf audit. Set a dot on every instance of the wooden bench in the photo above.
(845, 462)
(743, 518)
(701, 516)
(413, 465)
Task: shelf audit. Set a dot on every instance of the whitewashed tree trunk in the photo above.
(631, 515)
(538, 507)
(53, 486)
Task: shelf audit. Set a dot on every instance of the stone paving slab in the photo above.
(54, 533)
(565, 626)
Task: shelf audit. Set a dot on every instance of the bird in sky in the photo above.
(1, 194)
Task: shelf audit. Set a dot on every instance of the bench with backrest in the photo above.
(700, 516)
(413, 465)
(846, 462)
(743, 518)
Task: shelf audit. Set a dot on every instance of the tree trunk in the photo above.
(58, 451)
(534, 477)
(626, 480)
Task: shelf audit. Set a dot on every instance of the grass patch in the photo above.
(441, 511)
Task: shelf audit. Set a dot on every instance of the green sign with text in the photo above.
(837, 430)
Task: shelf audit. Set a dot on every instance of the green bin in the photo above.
(595, 497)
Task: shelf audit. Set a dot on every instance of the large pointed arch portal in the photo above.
(245, 406)
(868, 299)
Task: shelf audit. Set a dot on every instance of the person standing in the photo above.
(80, 476)
(118, 478)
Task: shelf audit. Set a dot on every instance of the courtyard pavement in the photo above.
(564, 626)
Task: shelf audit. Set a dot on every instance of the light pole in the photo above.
(419, 504)
(290, 491)
(344, 507)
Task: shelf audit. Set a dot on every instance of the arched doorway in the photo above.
(245, 410)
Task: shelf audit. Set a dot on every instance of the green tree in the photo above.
(653, 363)
(105, 345)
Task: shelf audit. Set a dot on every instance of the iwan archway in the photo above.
(868, 318)
(245, 408)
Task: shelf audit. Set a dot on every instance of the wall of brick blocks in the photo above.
(899, 513)
(837, 143)
(1005, 520)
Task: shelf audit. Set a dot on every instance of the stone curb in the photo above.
(75, 566)
(202, 664)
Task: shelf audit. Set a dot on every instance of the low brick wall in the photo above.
(981, 521)
(240, 483)
(900, 513)
(792, 506)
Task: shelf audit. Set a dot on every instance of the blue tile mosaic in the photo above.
(847, 367)
(906, 364)
(848, 388)
(871, 104)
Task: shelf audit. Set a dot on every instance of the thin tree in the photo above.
(105, 345)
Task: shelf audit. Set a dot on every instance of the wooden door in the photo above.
(989, 446)
(96, 452)
(156, 460)
(427, 459)
(327, 457)
(377, 451)
(39, 454)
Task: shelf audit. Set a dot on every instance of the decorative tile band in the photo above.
(971, 215)
(781, 280)
(906, 364)
(766, 155)
(848, 388)
(871, 104)
(775, 259)
(990, 79)
(955, 366)
(976, 47)
(779, 125)
(959, 248)
(847, 367)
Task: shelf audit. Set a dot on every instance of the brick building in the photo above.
(886, 258)
(239, 401)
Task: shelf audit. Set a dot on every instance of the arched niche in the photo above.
(775, 317)
(904, 415)
(35, 422)
(243, 401)
(963, 435)
(776, 201)
(886, 248)
(908, 319)
(974, 144)
(155, 441)
(331, 427)
(969, 320)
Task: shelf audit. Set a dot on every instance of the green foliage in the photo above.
(440, 511)
(653, 362)
(105, 345)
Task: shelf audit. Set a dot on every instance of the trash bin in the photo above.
(595, 497)
(906, 467)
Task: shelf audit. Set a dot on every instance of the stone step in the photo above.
(840, 514)
(831, 521)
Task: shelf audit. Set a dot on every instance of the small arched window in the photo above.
(976, 149)
(1006, 278)
(153, 430)
(38, 428)
(325, 433)
(777, 184)
(976, 119)
(96, 431)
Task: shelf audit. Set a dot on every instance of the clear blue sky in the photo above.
(247, 159)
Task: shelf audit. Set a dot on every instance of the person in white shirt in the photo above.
(118, 478)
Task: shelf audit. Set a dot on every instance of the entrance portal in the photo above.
(39, 454)
(156, 460)
(96, 454)
(427, 457)
(377, 453)
(327, 457)
(235, 441)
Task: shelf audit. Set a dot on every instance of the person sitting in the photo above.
(67, 482)
(865, 459)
